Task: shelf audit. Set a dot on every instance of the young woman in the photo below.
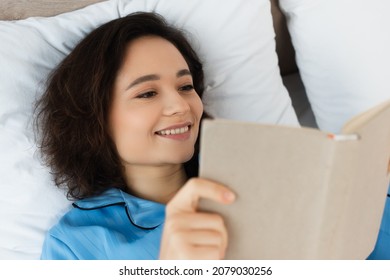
(119, 124)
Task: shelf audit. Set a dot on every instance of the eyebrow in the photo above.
(183, 72)
(154, 77)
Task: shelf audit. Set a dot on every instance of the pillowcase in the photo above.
(235, 40)
(342, 52)
(237, 43)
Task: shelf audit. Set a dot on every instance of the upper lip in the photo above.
(179, 125)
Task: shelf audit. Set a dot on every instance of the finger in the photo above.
(205, 253)
(206, 238)
(193, 252)
(187, 198)
(196, 222)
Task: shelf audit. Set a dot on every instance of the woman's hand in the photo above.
(189, 234)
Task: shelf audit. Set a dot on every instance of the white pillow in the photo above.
(234, 38)
(343, 55)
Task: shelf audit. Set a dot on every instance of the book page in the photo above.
(364, 117)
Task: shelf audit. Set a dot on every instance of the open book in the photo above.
(301, 193)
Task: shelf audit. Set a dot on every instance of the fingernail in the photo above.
(229, 196)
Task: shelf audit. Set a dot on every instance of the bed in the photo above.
(247, 41)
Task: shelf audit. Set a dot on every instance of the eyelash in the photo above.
(188, 87)
(146, 95)
(150, 94)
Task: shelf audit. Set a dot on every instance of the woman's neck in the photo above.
(156, 183)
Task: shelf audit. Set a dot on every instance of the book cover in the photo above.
(302, 193)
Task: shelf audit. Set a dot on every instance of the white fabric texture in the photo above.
(342, 51)
(235, 40)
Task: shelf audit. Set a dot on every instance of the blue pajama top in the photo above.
(116, 225)
(113, 225)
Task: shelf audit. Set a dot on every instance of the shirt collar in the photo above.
(141, 212)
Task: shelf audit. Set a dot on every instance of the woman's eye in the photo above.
(188, 87)
(148, 94)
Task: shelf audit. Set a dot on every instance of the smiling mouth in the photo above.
(175, 131)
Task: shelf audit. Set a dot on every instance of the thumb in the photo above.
(187, 199)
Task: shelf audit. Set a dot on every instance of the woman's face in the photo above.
(155, 112)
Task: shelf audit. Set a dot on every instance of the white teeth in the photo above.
(173, 131)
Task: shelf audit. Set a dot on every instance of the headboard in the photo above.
(29, 8)
(13, 10)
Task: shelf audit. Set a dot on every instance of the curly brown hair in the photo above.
(71, 120)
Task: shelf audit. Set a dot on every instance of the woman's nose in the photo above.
(175, 103)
